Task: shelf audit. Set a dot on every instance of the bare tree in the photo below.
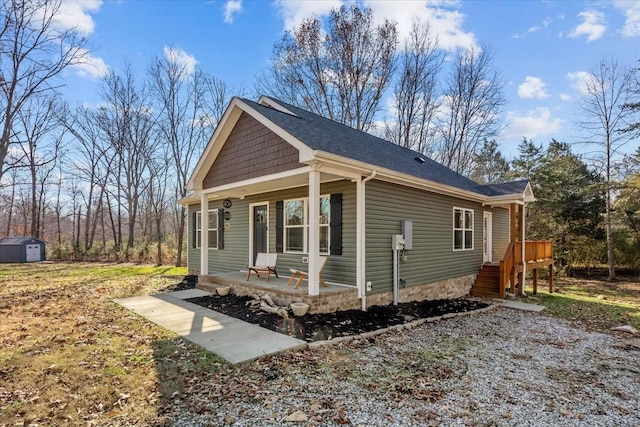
(33, 52)
(89, 163)
(190, 106)
(416, 98)
(472, 102)
(340, 71)
(127, 123)
(608, 89)
(40, 141)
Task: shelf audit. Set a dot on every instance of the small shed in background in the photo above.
(21, 249)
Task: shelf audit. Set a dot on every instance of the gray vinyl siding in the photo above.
(500, 228)
(432, 258)
(235, 255)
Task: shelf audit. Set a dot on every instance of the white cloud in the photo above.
(180, 57)
(91, 66)
(565, 97)
(631, 11)
(444, 18)
(532, 87)
(76, 14)
(593, 25)
(231, 7)
(535, 123)
(293, 12)
(580, 81)
(545, 24)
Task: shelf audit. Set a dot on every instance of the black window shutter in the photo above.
(220, 228)
(279, 226)
(194, 228)
(335, 224)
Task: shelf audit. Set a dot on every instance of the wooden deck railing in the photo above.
(506, 266)
(535, 251)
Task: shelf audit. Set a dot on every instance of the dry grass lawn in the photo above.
(69, 356)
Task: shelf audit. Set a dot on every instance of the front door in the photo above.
(260, 219)
(487, 231)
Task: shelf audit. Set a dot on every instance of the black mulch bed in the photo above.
(317, 327)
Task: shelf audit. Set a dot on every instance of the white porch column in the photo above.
(204, 234)
(314, 231)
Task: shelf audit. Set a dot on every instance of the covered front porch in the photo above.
(333, 297)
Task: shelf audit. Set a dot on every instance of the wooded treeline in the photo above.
(101, 182)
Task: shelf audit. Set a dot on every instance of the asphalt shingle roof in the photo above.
(322, 134)
(17, 240)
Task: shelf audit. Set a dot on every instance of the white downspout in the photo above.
(524, 245)
(360, 238)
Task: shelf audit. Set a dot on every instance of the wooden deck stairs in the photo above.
(487, 283)
(493, 279)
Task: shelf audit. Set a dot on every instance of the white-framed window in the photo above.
(462, 229)
(212, 228)
(296, 225)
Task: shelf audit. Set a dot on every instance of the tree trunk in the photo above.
(180, 236)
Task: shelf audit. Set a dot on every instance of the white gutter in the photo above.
(360, 238)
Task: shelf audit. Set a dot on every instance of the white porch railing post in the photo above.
(204, 235)
(314, 232)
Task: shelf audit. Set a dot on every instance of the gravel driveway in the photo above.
(502, 367)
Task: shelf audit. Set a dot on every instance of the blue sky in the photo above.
(542, 48)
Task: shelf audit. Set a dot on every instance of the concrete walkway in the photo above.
(228, 337)
(520, 305)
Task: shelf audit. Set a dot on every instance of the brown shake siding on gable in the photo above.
(251, 151)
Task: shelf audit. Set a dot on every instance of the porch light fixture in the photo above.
(227, 215)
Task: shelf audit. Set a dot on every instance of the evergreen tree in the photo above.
(490, 165)
(528, 162)
(569, 207)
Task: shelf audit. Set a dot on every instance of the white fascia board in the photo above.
(222, 132)
(388, 175)
(189, 200)
(504, 200)
(213, 147)
(528, 195)
(303, 149)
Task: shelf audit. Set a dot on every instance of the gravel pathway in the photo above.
(502, 367)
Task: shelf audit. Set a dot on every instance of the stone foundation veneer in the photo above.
(445, 289)
(346, 299)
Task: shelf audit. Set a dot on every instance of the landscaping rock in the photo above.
(626, 328)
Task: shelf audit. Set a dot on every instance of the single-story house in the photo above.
(21, 249)
(395, 225)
